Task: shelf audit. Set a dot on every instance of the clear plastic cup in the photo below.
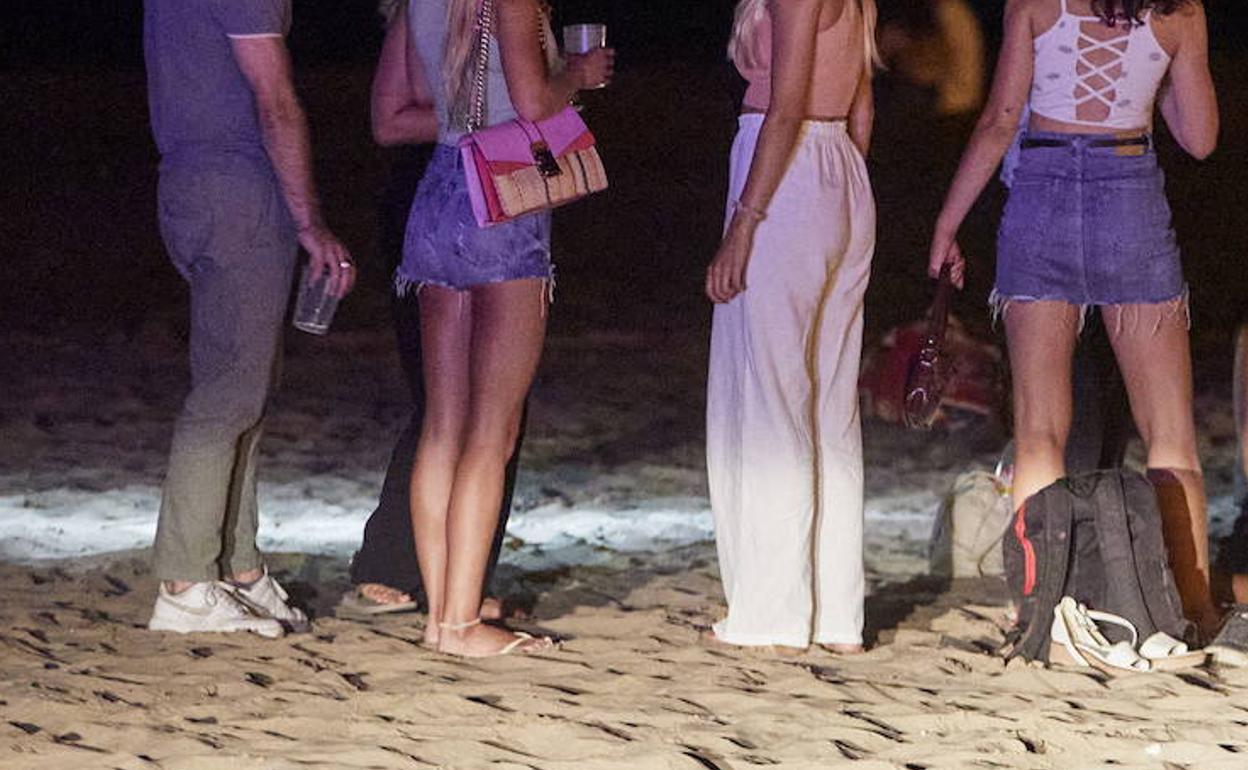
(583, 38)
(316, 303)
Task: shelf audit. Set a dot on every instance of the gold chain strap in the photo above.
(485, 21)
(542, 11)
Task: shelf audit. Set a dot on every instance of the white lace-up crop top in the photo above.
(1090, 74)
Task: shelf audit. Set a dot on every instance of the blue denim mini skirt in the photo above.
(444, 246)
(1087, 225)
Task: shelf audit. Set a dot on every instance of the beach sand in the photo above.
(83, 685)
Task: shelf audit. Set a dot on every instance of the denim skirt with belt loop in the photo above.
(1088, 225)
(445, 246)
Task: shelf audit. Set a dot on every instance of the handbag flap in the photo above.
(486, 207)
(510, 143)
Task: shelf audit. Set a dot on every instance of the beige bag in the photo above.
(966, 537)
(518, 167)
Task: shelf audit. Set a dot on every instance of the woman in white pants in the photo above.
(784, 451)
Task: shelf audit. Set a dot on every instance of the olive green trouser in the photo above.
(229, 234)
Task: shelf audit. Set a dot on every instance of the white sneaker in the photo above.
(268, 599)
(209, 607)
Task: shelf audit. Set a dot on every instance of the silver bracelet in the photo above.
(750, 212)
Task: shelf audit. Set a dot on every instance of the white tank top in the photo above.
(1087, 78)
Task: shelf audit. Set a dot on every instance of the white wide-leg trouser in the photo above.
(784, 448)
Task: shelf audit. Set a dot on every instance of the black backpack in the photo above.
(1096, 537)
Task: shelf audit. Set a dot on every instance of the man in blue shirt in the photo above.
(236, 200)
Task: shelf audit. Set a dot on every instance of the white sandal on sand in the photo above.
(1161, 650)
(1075, 640)
(1168, 654)
(521, 637)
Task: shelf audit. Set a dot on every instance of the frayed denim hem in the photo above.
(999, 304)
(1126, 312)
(403, 285)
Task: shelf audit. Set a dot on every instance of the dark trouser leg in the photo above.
(1101, 419)
(1240, 396)
(388, 553)
(504, 512)
(1231, 571)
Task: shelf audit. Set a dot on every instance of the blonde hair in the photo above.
(459, 58)
(750, 13)
(745, 21)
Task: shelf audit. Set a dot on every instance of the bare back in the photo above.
(840, 57)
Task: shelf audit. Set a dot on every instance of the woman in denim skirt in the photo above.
(483, 298)
(1087, 224)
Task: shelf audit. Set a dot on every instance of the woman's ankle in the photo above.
(459, 628)
(453, 639)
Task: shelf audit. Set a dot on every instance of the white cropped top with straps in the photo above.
(1090, 74)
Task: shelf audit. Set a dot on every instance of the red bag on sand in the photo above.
(975, 377)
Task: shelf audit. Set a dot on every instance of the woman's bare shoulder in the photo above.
(1187, 16)
(1038, 14)
(1185, 22)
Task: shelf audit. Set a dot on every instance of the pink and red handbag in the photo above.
(520, 166)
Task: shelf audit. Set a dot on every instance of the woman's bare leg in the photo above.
(1041, 340)
(509, 325)
(446, 334)
(1151, 344)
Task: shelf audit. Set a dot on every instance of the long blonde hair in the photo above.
(459, 58)
(750, 13)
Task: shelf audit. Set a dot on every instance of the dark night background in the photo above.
(78, 235)
(74, 35)
(93, 368)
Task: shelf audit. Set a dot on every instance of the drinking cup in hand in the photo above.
(583, 38)
(316, 303)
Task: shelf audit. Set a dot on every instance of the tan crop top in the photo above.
(840, 56)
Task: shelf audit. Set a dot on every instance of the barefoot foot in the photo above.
(474, 639)
(843, 649)
(710, 639)
(383, 594)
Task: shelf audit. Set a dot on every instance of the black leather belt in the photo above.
(1111, 141)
